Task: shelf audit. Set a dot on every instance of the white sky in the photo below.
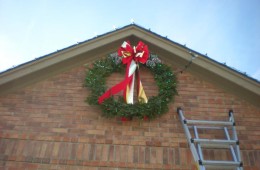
(227, 30)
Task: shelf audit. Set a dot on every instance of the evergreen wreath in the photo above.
(157, 105)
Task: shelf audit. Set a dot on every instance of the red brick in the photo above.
(59, 130)
(131, 133)
(51, 123)
(136, 154)
(147, 155)
(49, 149)
(177, 156)
(111, 153)
(28, 147)
(142, 155)
(9, 147)
(153, 143)
(55, 151)
(159, 155)
(154, 134)
(130, 154)
(43, 150)
(86, 151)
(37, 149)
(123, 153)
(165, 156)
(79, 151)
(92, 152)
(73, 151)
(98, 152)
(105, 152)
(15, 148)
(96, 132)
(117, 153)
(62, 151)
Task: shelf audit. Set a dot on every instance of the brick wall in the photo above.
(49, 126)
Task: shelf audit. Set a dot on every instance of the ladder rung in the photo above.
(215, 146)
(224, 123)
(218, 143)
(217, 164)
(208, 127)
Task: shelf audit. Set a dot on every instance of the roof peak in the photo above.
(138, 26)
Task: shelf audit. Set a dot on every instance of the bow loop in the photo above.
(126, 52)
(141, 52)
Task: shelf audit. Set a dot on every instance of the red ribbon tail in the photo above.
(113, 90)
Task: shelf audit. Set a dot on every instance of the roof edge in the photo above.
(122, 28)
(198, 53)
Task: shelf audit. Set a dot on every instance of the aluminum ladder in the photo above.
(197, 144)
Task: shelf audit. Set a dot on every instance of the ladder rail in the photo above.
(188, 136)
(231, 147)
(199, 147)
(235, 136)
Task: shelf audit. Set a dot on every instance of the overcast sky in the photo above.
(227, 30)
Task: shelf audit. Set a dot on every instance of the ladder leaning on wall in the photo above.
(198, 144)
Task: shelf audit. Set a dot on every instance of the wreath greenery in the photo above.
(157, 105)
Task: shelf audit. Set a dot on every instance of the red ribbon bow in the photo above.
(130, 57)
(139, 53)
